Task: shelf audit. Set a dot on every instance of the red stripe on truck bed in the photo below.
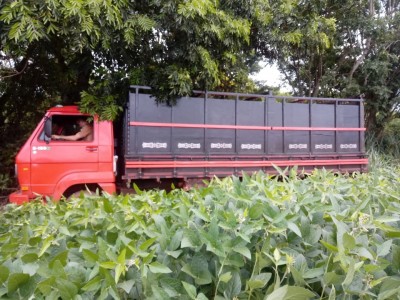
(238, 164)
(241, 127)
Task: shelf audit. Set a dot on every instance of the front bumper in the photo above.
(18, 197)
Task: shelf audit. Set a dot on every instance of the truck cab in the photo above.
(55, 167)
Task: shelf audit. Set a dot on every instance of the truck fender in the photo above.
(105, 180)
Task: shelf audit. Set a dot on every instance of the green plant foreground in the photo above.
(324, 237)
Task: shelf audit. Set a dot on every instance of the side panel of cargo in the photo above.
(225, 133)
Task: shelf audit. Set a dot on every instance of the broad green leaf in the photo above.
(350, 273)
(329, 246)
(159, 293)
(190, 239)
(61, 257)
(395, 253)
(67, 289)
(90, 256)
(4, 273)
(384, 249)
(298, 277)
(108, 264)
(46, 244)
(127, 285)
(256, 211)
(119, 270)
(225, 277)
(145, 245)
(108, 208)
(291, 293)
(244, 251)
(259, 281)
(364, 253)
(313, 273)
(29, 258)
(175, 241)
(331, 278)
(293, 227)
(390, 287)
(174, 254)
(15, 281)
(277, 255)
(46, 286)
(190, 289)
(233, 287)
(349, 241)
(201, 296)
(157, 267)
(93, 285)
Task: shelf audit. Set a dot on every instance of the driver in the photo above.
(85, 133)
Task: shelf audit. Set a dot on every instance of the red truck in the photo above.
(205, 135)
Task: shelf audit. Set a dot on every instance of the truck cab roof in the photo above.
(65, 109)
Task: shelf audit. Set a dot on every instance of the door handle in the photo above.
(91, 148)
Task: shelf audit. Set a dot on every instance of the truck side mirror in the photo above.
(48, 128)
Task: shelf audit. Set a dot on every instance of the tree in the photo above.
(346, 49)
(88, 52)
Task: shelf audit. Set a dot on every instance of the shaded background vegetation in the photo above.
(89, 52)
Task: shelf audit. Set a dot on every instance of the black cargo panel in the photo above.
(188, 141)
(250, 113)
(323, 116)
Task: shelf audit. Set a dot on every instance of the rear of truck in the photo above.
(221, 134)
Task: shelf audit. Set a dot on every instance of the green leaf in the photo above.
(108, 208)
(384, 249)
(350, 274)
(90, 256)
(190, 239)
(331, 278)
(290, 293)
(349, 241)
(145, 245)
(259, 281)
(225, 277)
(389, 287)
(329, 246)
(93, 285)
(256, 211)
(201, 296)
(395, 261)
(244, 251)
(157, 267)
(127, 285)
(190, 289)
(233, 287)
(4, 273)
(46, 286)
(108, 264)
(67, 289)
(313, 273)
(46, 244)
(15, 281)
(293, 227)
(29, 258)
(61, 257)
(298, 277)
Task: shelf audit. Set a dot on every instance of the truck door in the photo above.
(54, 160)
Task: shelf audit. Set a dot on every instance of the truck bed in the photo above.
(220, 134)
